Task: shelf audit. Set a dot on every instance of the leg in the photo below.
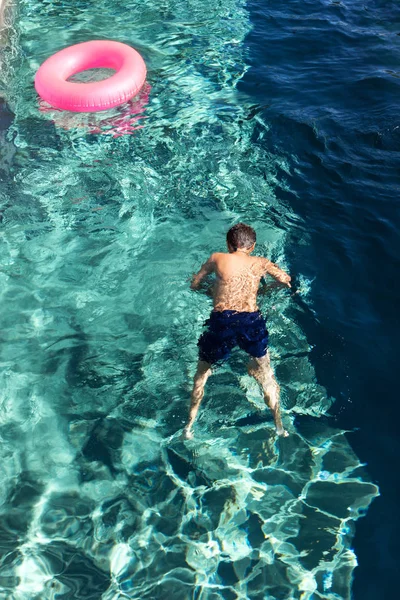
(202, 374)
(261, 370)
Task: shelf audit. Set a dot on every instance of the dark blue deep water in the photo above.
(325, 76)
(281, 114)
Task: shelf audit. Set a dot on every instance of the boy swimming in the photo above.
(236, 319)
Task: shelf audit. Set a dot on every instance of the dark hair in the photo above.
(241, 236)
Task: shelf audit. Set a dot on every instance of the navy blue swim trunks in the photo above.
(229, 328)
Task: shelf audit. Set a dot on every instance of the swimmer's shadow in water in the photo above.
(252, 419)
(187, 471)
(300, 422)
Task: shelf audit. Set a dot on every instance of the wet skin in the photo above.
(238, 276)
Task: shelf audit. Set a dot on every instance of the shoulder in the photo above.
(217, 257)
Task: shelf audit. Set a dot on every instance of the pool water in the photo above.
(104, 219)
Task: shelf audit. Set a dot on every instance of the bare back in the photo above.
(238, 280)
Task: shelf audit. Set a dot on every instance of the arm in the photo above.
(268, 287)
(205, 270)
(275, 272)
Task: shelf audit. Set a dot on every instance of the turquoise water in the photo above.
(100, 496)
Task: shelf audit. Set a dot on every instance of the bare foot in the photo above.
(283, 433)
(187, 433)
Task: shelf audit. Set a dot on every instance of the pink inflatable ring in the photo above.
(51, 78)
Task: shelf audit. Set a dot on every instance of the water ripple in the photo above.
(100, 496)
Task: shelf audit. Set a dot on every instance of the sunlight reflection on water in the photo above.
(100, 496)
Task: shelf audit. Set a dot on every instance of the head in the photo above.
(241, 237)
